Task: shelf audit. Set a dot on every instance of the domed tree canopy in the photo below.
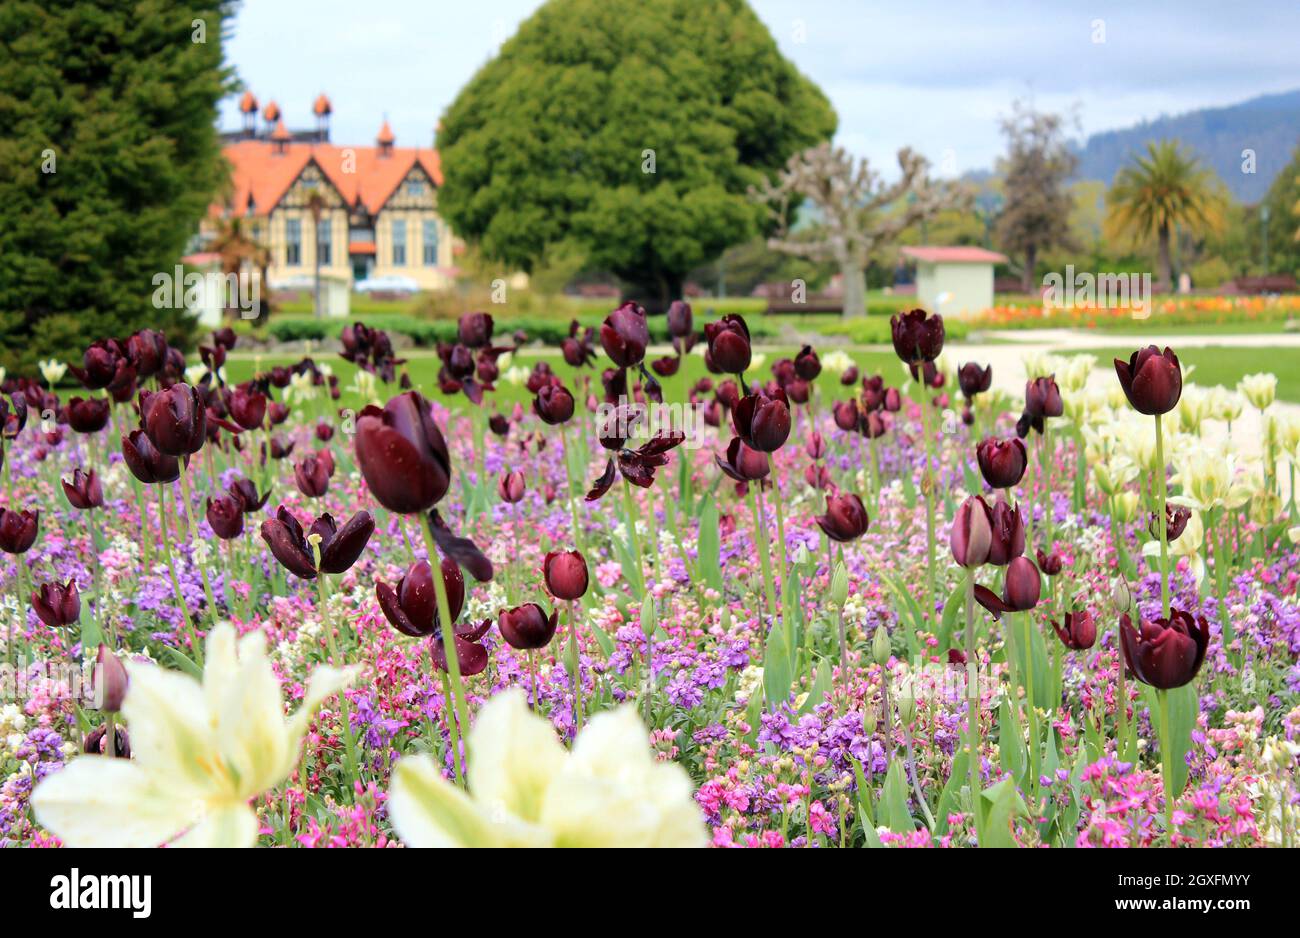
(629, 130)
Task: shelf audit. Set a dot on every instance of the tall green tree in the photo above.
(632, 130)
(1035, 173)
(1160, 191)
(108, 158)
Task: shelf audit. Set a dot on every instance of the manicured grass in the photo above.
(423, 368)
(1150, 326)
(1226, 365)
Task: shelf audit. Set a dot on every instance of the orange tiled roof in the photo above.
(953, 255)
(265, 176)
(322, 106)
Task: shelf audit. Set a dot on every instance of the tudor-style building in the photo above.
(378, 204)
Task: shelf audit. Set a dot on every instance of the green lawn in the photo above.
(1226, 365)
(423, 367)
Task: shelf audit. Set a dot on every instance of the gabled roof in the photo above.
(265, 175)
(953, 255)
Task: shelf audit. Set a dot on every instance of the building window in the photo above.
(430, 243)
(323, 242)
(415, 188)
(292, 242)
(399, 244)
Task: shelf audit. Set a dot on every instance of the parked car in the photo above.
(390, 284)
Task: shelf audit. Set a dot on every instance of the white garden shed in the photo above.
(954, 281)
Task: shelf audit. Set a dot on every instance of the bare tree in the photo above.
(858, 212)
(1038, 164)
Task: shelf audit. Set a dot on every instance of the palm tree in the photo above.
(1164, 189)
(235, 246)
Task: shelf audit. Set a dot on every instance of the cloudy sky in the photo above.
(932, 74)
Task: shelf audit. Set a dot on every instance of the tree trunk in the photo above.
(1031, 263)
(1166, 264)
(855, 291)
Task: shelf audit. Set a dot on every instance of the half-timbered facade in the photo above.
(377, 207)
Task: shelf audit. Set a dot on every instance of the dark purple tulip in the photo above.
(1042, 400)
(850, 376)
(97, 742)
(798, 391)
(475, 329)
(1165, 653)
(247, 406)
(845, 518)
(973, 379)
(625, 335)
(846, 415)
(145, 462)
(971, 535)
(1007, 529)
(1050, 564)
(175, 419)
(110, 680)
(527, 627)
(284, 535)
(312, 476)
(402, 454)
(57, 605)
(225, 517)
(806, 364)
(565, 573)
(84, 491)
(499, 424)
(340, 547)
(13, 414)
(729, 346)
(762, 420)
(1078, 631)
(917, 337)
(411, 606)
(18, 530)
(1176, 518)
(1152, 380)
(225, 337)
(815, 447)
(324, 432)
(680, 319)
(667, 366)
(893, 400)
(245, 493)
(1002, 462)
(276, 413)
(471, 656)
(553, 404)
(88, 415)
(147, 350)
(101, 364)
(1023, 585)
(743, 463)
(511, 486)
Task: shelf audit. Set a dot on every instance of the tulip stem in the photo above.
(195, 646)
(448, 634)
(323, 595)
(453, 733)
(927, 487)
(629, 510)
(973, 708)
(194, 540)
(1166, 761)
(1220, 573)
(575, 654)
(1032, 721)
(780, 524)
(1159, 482)
(760, 531)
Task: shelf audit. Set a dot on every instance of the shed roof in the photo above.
(953, 255)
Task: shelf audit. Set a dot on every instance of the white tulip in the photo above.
(1260, 389)
(527, 791)
(200, 753)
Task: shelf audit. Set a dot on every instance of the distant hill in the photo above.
(1269, 125)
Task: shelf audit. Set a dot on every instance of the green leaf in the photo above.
(821, 687)
(1014, 757)
(951, 791)
(778, 668)
(999, 804)
(893, 800)
(709, 545)
(183, 662)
